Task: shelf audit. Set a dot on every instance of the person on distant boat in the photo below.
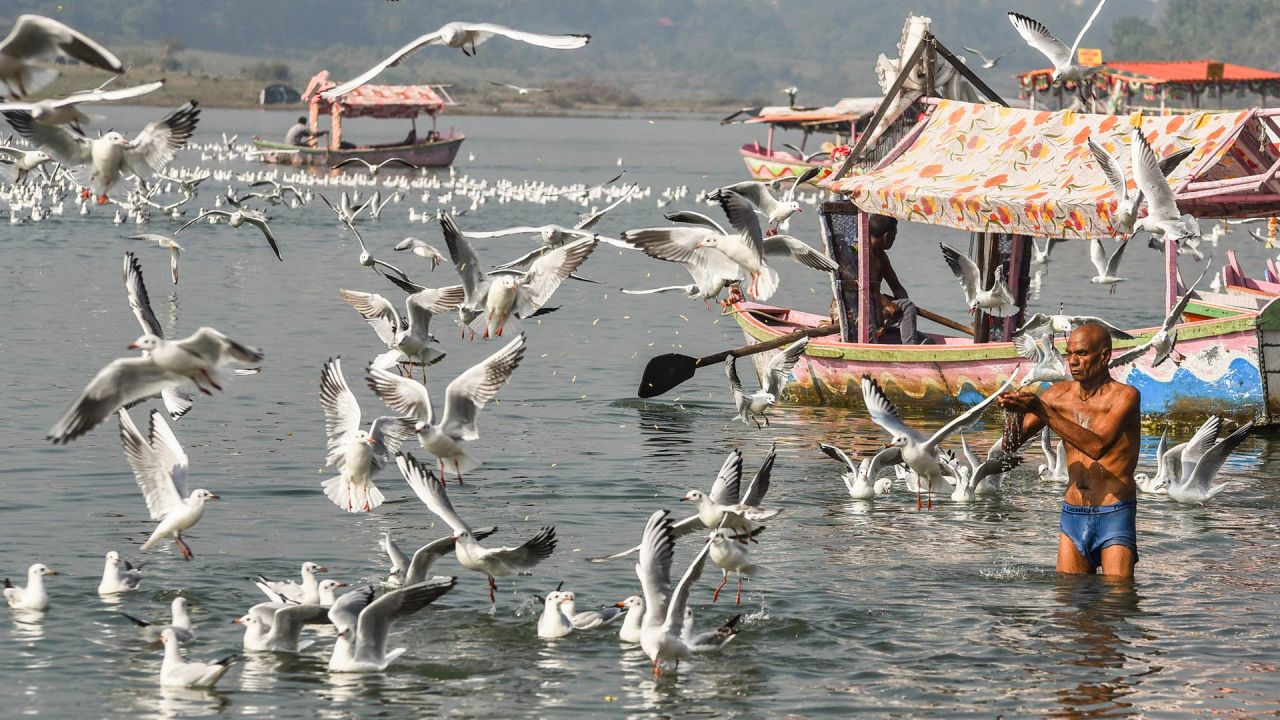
(300, 134)
(1098, 420)
(896, 312)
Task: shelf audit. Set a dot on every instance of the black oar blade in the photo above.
(665, 372)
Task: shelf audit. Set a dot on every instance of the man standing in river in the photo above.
(1099, 422)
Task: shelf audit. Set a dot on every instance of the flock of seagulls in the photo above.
(727, 520)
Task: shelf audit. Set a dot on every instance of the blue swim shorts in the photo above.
(1092, 528)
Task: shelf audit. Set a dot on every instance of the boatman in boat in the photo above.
(1098, 420)
(300, 134)
(895, 310)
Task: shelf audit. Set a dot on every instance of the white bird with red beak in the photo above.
(555, 622)
(160, 467)
(113, 154)
(287, 591)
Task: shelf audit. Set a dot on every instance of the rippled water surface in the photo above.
(866, 608)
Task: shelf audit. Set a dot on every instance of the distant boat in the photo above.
(435, 149)
(765, 162)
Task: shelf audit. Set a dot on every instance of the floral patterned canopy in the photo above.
(378, 101)
(989, 168)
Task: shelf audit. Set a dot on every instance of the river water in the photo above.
(872, 609)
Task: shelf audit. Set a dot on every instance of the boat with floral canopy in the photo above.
(434, 149)
(841, 121)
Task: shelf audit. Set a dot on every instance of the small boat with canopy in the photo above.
(433, 149)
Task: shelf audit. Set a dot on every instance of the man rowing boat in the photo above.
(1098, 420)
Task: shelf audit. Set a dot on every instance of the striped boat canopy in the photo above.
(378, 101)
(988, 168)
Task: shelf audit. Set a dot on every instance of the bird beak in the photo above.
(686, 497)
(371, 441)
(888, 445)
(322, 569)
(215, 497)
(52, 572)
(133, 346)
(236, 622)
(620, 604)
(342, 584)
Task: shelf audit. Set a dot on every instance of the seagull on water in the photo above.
(465, 397)
(633, 606)
(493, 563)
(776, 372)
(160, 468)
(710, 640)
(863, 480)
(995, 300)
(555, 622)
(289, 592)
(34, 37)
(357, 453)
(1065, 68)
(459, 35)
(1201, 460)
(118, 575)
(1054, 467)
(33, 596)
(176, 672)
(273, 627)
(1165, 461)
(364, 623)
(920, 452)
(179, 622)
(168, 363)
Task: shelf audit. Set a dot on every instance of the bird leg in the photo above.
(102, 199)
(754, 420)
(657, 671)
(183, 548)
(737, 598)
(209, 378)
(715, 596)
(85, 194)
(766, 418)
(493, 587)
(457, 468)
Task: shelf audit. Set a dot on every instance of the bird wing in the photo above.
(527, 556)
(121, 382)
(779, 367)
(1028, 347)
(555, 42)
(975, 51)
(1039, 37)
(159, 141)
(1111, 169)
(995, 466)
(838, 455)
(426, 304)
(391, 431)
(883, 412)
(759, 485)
(464, 259)
(155, 466)
(36, 36)
(89, 96)
(430, 491)
(341, 411)
(965, 270)
(883, 459)
(1149, 179)
(287, 622)
(65, 146)
(689, 217)
(753, 191)
(547, 272)
(1088, 24)
(1130, 356)
(742, 218)
(725, 489)
(399, 561)
(261, 223)
(1211, 462)
(653, 566)
(680, 596)
(1113, 263)
(799, 251)
(470, 391)
(970, 416)
(374, 622)
(402, 394)
(735, 382)
(201, 216)
(390, 61)
(1200, 443)
(505, 232)
(139, 301)
(1098, 256)
(1175, 315)
(377, 311)
(673, 244)
(590, 220)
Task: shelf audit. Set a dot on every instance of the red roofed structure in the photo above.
(1163, 81)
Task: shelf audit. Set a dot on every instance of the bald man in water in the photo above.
(1098, 420)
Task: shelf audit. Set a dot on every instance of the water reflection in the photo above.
(1094, 613)
(184, 703)
(27, 624)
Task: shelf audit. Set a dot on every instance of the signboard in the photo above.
(1089, 57)
(1214, 71)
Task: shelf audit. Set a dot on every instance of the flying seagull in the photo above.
(34, 37)
(459, 35)
(995, 300)
(1065, 68)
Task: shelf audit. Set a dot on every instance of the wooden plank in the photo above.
(1019, 282)
(1171, 289)
(866, 293)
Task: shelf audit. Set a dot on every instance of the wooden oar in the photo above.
(664, 372)
(944, 320)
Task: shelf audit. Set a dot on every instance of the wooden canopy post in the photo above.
(866, 293)
(1171, 289)
(1019, 280)
(335, 131)
(982, 243)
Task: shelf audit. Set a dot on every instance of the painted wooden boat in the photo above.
(765, 165)
(840, 121)
(436, 153)
(1230, 356)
